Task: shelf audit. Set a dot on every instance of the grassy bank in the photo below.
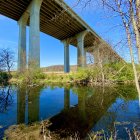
(40, 131)
(110, 73)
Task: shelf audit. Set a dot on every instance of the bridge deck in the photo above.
(56, 19)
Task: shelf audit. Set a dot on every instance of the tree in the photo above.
(129, 13)
(125, 9)
(6, 60)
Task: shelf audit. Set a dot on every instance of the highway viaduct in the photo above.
(57, 19)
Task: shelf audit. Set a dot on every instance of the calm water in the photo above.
(71, 109)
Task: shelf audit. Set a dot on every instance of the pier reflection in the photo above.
(91, 110)
(28, 104)
(92, 105)
(21, 104)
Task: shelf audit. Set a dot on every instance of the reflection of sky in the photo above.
(51, 102)
(125, 113)
(9, 117)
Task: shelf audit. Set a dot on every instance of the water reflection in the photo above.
(28, 104)
(93, 105)
(66, 98)
(21, 102)
(33, 104)
(6, 98)
(95, 108)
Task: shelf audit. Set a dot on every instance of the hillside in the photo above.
(58, 68)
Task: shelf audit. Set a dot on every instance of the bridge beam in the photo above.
(22, 42)
(66, 56)
(81, 53)
(34, 34)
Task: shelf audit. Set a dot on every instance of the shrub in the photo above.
(4, 77)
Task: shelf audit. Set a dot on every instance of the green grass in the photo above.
(113, 72)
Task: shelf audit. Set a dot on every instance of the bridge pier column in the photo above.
(81, 53)
(34, 34)
(22, 42)
(66, 57)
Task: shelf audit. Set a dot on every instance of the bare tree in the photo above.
(129, 13)
(6, 60)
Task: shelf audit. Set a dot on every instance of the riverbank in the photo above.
(36, 131)
(92, 76)
(68, 79)
(40, 131)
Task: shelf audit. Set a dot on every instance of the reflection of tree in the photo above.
(6, 98)
(93, 108)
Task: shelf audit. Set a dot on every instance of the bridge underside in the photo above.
(54, 20)
(58, 20)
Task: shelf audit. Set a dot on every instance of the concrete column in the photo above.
(22, 42)
(66, 57)
(34, 34)
(81, 60)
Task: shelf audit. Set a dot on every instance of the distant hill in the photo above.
(58, 68)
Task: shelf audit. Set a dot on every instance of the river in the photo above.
(71, 109)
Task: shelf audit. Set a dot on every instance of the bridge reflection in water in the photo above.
(92, 106)
(81, 118)
(28, 104)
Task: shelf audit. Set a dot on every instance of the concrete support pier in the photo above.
(22, 42)
(66, 57)
(34, 34)
(81, 53)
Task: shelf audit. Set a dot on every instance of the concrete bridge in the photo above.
(55, 18)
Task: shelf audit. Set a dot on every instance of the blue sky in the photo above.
(52, 50)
